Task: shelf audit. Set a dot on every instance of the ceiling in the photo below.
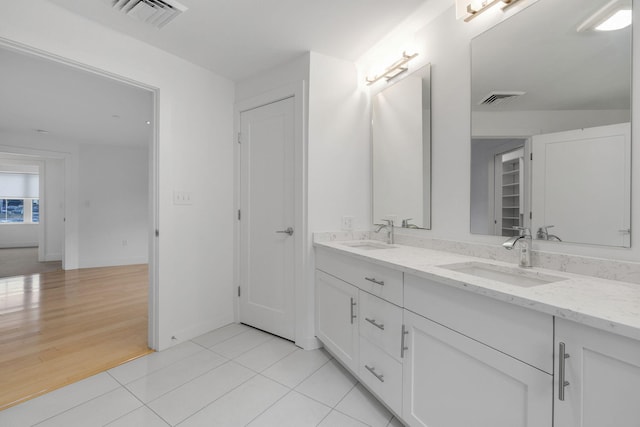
(42, 97)
(240, 38)
(233, 38)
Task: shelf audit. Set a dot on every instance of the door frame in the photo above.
(303, 294)
(153, 339)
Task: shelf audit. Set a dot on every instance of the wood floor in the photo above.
(59, 327)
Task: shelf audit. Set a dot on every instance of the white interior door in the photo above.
(581, 184)
(267, 241)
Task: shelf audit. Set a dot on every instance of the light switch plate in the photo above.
(182, 197)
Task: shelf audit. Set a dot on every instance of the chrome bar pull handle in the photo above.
(288, 231)
(403, 348)
(562, 382)
(380, 377)
(373, 279)
(374, 323)
(353, 315)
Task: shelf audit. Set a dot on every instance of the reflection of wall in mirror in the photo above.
(398, 152)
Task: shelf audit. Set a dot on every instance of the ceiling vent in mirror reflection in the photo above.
(500, 97)
(155, 12)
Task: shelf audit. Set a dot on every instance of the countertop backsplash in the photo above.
(625, 271)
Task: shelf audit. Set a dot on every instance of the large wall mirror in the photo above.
(550, 125)
(401, 146)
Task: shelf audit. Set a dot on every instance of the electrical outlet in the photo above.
(347, 223)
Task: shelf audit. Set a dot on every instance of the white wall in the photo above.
(524, 123)
(52, 209)
(446, 45)
(195, 112)
(113, 189)
(18, 235)
(339, 145)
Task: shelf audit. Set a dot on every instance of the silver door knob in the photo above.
(288, 231)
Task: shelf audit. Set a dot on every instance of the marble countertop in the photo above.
(604, 304)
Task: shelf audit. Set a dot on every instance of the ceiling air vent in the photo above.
(500, 97)
(155, 12)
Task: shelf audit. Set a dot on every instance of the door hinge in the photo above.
(157, 233)
(238, 290)
(239, 215)
(239, 138)
(530, 156)
(530, 215)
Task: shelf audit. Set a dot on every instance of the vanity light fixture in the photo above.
(615, 15)
(476, 7)
(393, 70)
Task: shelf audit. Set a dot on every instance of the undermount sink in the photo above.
(513, 276)
(367, 245)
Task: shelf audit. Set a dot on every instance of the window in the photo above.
(14, 211)
(19, 198)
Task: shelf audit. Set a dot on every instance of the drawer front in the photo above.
(383, 282)
(517, 331)
(381, 323)
(382, 374)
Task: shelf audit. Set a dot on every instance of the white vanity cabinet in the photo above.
(451, 380)
(358, 322)
(474, 361)
(336, 318)
(598, 383)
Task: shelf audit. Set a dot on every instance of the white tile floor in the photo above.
(233, 376)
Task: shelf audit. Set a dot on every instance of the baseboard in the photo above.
(309, 343)
(111, 262)
(18, 245)
(53, 257)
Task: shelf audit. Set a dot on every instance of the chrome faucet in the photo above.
(407, 224)
(543, 234)
(525, 245)
(389, 227)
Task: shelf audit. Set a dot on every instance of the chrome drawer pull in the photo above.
(373, 372)
(353, 315)
(374, 323)
(377, 282)
(403, 348)
(562, 383)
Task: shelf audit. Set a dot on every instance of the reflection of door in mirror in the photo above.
(498, 189)
(581, 184)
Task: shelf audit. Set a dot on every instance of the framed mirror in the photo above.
(401, 147)
(550, 124)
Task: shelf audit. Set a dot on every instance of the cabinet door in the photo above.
(603, 372)
(450, 380)
(336, 318)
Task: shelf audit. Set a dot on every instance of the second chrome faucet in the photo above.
(389, 227)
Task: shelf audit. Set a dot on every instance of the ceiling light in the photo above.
(619, 20)
(615, 15)
(476, 7)
(148, 122)
(393, 70)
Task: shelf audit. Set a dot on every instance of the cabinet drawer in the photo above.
(381, 281)
(382, 374)
(381, 323)
(519, 332)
